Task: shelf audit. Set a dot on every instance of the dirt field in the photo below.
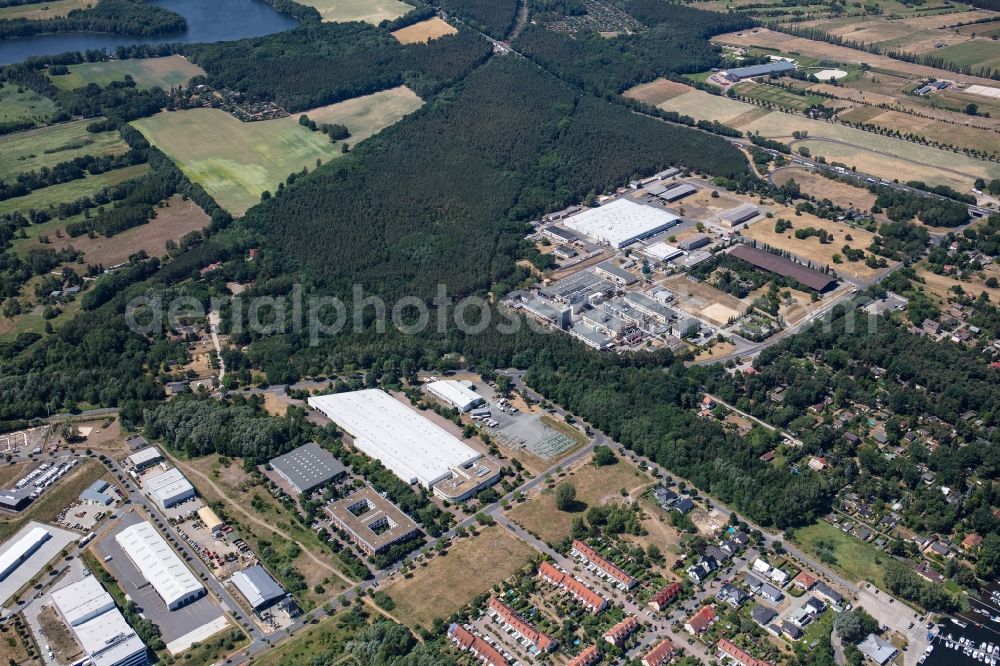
(370, 11)
(447, 583)
(59, 638)
(810, 249)
(660, 531)
(656, 92)
(235, 161)
(594, 486)
(703, 300)
(12, 648)
(165, 72)
(717, 351)
(424, 31)
(840, 193)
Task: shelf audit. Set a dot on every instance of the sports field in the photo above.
(164, 72)
(235, 161)
(424, 31)
(369, 11)
(18, 104)
(48, 146)
(74, 189)
(44, 10)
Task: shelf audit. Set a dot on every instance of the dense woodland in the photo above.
(494, 17)
(124, 17)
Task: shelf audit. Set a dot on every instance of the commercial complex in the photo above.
(257, 587)
(307, 467)
(414, 448)
(19, 551)
(784, 267)
(168, 488)
(160, 565)
(371, 521)
(97, 624)
(455, 393)
(621, 222)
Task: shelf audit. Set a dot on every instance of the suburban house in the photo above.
(700, 621)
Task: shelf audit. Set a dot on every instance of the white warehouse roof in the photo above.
(456, 393)
(146, 456)
(411, 446)
(97, 624)
(662, 251)
(158, 563)
(621, 222)
(21, 550)
(168, 487)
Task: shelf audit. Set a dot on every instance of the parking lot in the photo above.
(524, 429)
(27, 570)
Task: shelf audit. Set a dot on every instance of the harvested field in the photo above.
(235, 161)
(424, 31)
(962, 136)
(48, 146)
(369, 11)
(448, 582)
(821, 187)
(19, 104)
(945, 20)
(594, 486)
(43, 10)
(74, 189)
(166, 72)
(657, 92)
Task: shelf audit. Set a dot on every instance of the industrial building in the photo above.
(694, 242)
(784, 267)
(577, 288)
(15, 499)
(307, 467)
(97, 624)
(160, 565)
(621, 222)
(611, 271)
(559, 235)
(144, 458)
(662, 252)
(737, 216)
(15, 555)
(677, 192)
(211, 519)
(257, 587)
(168, 488)
(371, 521)
(97, 492)
(457, 394)
(414, 448)
(753, 71)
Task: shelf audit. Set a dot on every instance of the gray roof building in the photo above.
(97, 492)
(751, 71)
(877, 650)
(308, 467)
(257, 586)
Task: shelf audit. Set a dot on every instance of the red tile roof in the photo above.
(739, 654)
(543, 642)
(660, 654)
(804, 579)
(618, 633)
(586, 658)
(466, 640)
(586, 596)
(666, 595)
(972, 541)
(606, 566)
(702, 620)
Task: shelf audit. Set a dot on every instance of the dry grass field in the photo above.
(48, 506)
(370, 11)
(657, 92)
(235, 161)
(839, 192)
(447, 583)
(37, 11)
(941, 286)
(48, 146)
(424, 31)
(716, 351)
(165, 72)
(594, 486)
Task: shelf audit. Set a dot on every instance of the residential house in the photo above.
(729, 651)
(804, 581)
(928, 573)
(588, 657)
(702, 569)
(791, 630)
(732, 595)
(661, 654)
(700, 621)
(585, 596)
(663, 598)
(762, 615)
(770, 592)
(971, 542)
(469, 642)
(716, 553)
(878, 650)
(535, 640)
(826, 592)
(617, 634)
(603, 567)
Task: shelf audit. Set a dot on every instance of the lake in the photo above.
(208, 21)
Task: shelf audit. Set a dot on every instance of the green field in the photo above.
(19, 104)
(74, 189)
(777, 96)
(44, 10)
(975, 53)
(235, 161)
(370, 11)
(856, 560)
(170, 71)
(48, 146)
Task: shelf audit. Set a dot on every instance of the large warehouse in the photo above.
(98, 625)
(257, 587)
(21, 550)
(411, 446)
(160, 565)
(168, 488)
(621, 222)
(308, 467)
(455, 393)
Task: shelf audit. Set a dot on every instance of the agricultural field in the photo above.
(424, 31)
(19, 104)
(975, 53)
(48, 146)
(235, 161)
(963, 136)
(821, 187)
(449, 581)
(43, 10)
(657, 91)
(369, 11)
(74, 189)
(777, 96)
(594, 486)
(165, 72)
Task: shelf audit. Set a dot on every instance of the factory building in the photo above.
(621, 222)
(168, 488)
(160, 565)
(414, 448)
(144, 458)
(677, 192)
(737, 216)
(662, 252)
(457, 394)
(694, 242)
(307, 467)
(785, 267)
(21, 550)
(753, 71)
(97, 624)
(257, 587)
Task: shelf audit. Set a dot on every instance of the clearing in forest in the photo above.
(424, 31)
(166, 72)
(48, 146)
(19, 104)
(43, 10)
(369, 11)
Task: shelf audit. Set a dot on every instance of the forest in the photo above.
(124, 17)
(494, 17)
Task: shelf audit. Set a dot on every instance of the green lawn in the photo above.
(74, 189)
(164, 72)
(48, 146)
(856, 560)
(19, 104)
(975, 53)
